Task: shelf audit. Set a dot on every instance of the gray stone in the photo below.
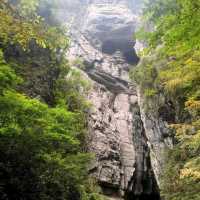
(128, 143)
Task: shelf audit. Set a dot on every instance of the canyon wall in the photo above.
(128, 143)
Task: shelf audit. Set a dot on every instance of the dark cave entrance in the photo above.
(125, 47)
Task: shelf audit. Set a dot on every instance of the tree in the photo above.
(21, 25)
(173, 55)
(41, 155)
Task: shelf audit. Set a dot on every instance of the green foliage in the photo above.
(72, 89)
(20, 25)
(28, 8)
(8, 78)
(91, 191)
(171, 68)
(145, 76)
(41, 147)
(78, 63)
(179, 182)
(42, 144)
(173, 21)
(181, 178)
(149, 92)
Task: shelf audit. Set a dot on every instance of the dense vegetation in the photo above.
(42, 118)
(169, 71)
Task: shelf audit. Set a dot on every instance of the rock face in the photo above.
(127, 141)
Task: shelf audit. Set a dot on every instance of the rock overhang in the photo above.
(110, 27)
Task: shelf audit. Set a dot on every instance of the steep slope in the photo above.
(128, 143)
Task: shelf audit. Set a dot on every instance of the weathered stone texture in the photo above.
(128, 143)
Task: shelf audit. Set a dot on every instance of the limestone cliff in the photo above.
(128, 142)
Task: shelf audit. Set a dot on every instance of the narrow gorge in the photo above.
(99, 100)
(128, 143)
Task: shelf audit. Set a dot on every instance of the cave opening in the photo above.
(125, 47)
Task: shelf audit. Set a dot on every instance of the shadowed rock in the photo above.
(113, 84)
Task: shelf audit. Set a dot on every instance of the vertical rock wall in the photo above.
(127, 142)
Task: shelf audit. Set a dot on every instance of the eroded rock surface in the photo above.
(127, 142)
